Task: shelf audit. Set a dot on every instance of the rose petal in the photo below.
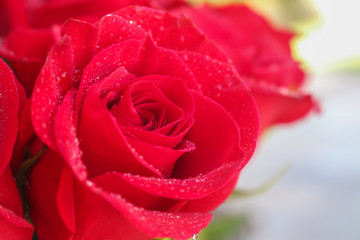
(52, 83)
(114, 29)
(152, 61)
(161, 158)
(25, 135)
(117, 81)
(281, 72)
(145, 96)
(9, 106)
(44, 182)
(180, 32)
(220, 82)
(65, 199)
(256, 48)
(176, 91)
(206, 134)
(190, 188)
(213, 200)
(83, 47)
(140, 58)
(14, 227)
(106, 141)
(96, 218)
(9, 194)
(124, 54)
(114, 183)
(157, 224)
(278, 105)
(124, 110)
(65, 135)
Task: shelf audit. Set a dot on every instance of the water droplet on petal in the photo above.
(182, 39)
(89, 183)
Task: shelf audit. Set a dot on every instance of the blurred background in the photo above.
(319, 195)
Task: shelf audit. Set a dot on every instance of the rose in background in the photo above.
(262, 55)
(12, 97)
(147, 125)
(30, 28)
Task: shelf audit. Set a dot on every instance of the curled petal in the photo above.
(51, 85)
(65, 133)
(158, 224)
(186, 189)
(83, 48)
(213, 200)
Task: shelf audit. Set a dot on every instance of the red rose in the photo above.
(147, 126)
(12, 225)
(262, 55)
(35, 27)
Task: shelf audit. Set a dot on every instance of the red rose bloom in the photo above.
(12, 225)
(262, 56)
(147, 126)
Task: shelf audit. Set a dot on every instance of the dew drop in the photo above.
(89, 183)
(182, 38)
(195, 236)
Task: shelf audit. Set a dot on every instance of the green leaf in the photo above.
(223, 227)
